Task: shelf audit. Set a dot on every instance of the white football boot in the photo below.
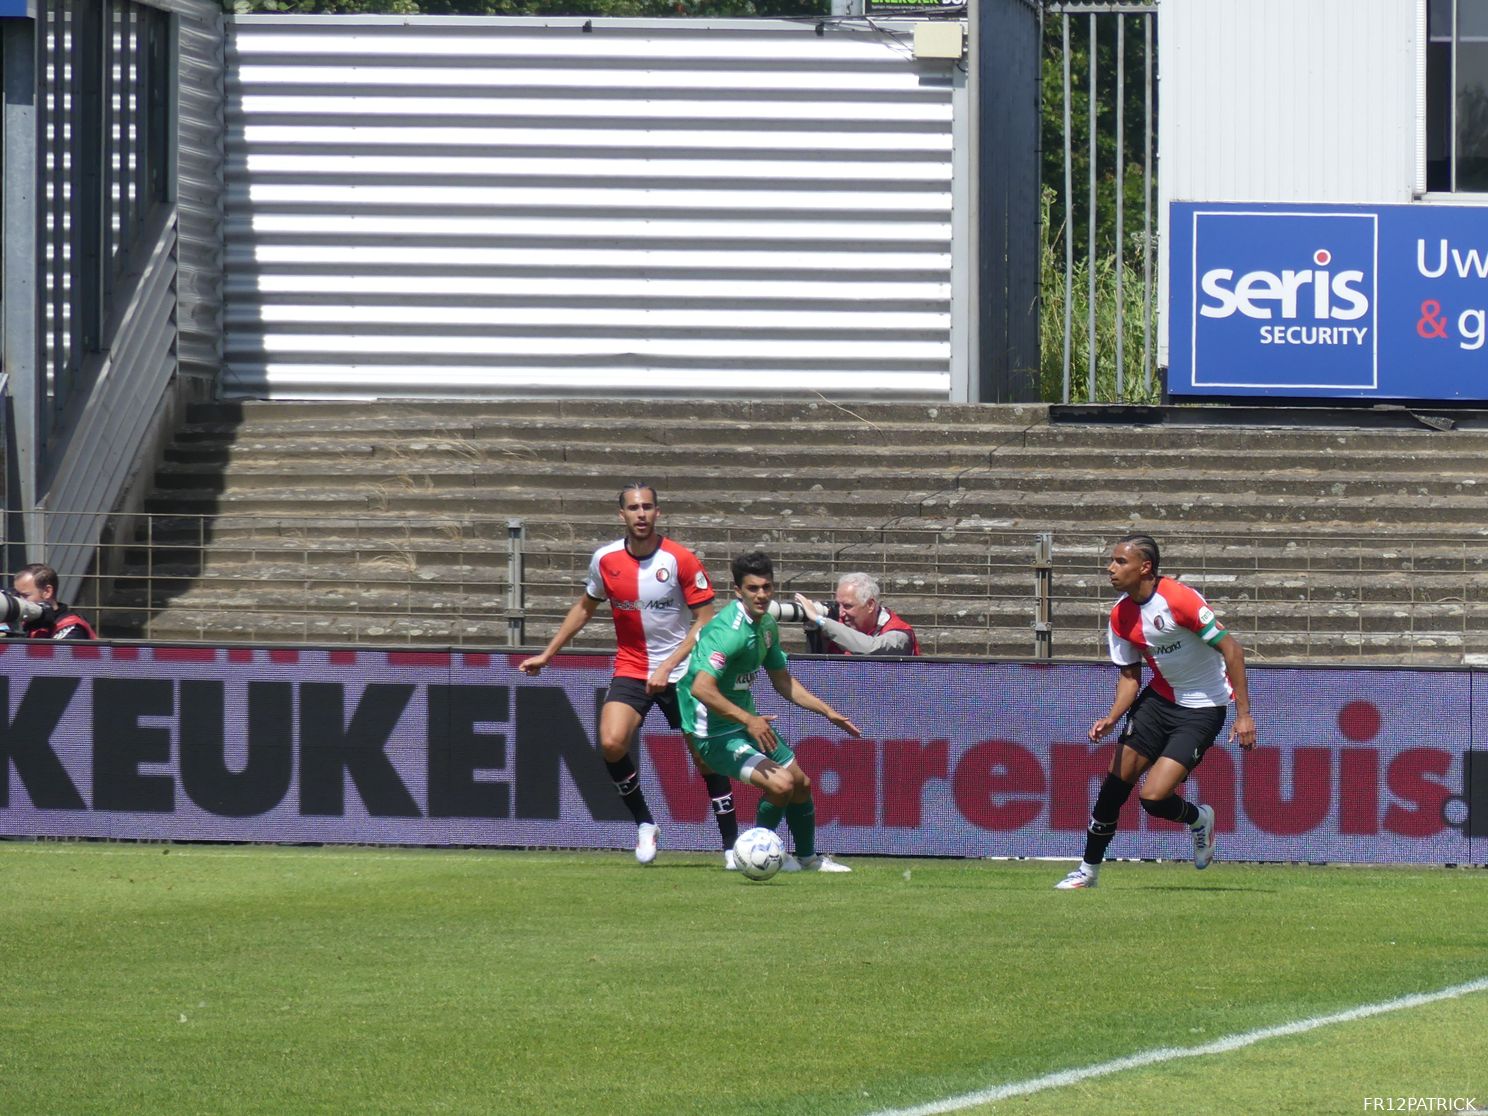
(821, 862)
(646, 835)
(1083, 876)
(1203, 837)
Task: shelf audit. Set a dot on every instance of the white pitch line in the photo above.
(1172, 1053)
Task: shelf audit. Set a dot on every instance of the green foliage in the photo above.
(1070, 216)
(1133, 117)
(1138, 385)
(145, 978)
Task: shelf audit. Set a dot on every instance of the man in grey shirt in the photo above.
(863, 626)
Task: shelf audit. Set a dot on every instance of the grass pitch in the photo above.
(141, 978)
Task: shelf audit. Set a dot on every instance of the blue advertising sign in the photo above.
(1363, 302)
(23, 9)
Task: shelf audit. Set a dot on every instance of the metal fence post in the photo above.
(516, 616)
(1043, 588)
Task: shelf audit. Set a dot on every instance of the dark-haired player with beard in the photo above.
(660, 597)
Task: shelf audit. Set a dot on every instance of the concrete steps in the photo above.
(1314, 541)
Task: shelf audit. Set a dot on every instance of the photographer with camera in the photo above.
(855, 623)
(33, 602)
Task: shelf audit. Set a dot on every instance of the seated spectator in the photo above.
(38, 583)
(856, 624)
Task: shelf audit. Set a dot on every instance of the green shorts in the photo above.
(734, 754)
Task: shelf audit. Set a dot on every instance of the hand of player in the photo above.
(534, 665)
(759, 730)
(809, 607)
(1244, 731)
(844, 724)
(1101, 727)
(660, 679)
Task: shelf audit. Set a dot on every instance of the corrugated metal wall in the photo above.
(168, 316)
(201, 155)
(1286, 101)
(443, 206)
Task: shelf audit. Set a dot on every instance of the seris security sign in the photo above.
(1345, 302)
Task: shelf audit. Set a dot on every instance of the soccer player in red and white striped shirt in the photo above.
(1197, 667)
(660, 597)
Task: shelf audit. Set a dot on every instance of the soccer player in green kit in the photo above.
(718, 711)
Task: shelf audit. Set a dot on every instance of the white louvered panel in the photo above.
(624, 228)
(539, 201)
(370, 139)
(401, 105)
(568, 317)
(498, 206)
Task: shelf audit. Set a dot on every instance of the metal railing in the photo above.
(971, 590)
(1104, 55)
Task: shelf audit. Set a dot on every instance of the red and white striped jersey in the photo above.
(1177, 633)
(652, 599)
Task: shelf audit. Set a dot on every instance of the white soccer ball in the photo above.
(759, 852)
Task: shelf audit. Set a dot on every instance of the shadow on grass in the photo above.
(1202, 887)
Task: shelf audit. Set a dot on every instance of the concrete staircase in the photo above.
(387, 523)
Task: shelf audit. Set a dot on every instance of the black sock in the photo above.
(722, 796)
(628, 783)
(1173, 809)
(1103, 815)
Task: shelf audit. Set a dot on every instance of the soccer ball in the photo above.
(759, 853)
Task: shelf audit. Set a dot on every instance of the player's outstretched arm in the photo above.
(790, 688)
(579, 615)
(1243, 729)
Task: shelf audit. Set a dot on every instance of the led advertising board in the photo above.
(457, 748)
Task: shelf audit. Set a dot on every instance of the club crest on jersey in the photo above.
(1160, 622)
(663, 574)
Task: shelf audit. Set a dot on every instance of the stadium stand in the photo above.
(388, 522)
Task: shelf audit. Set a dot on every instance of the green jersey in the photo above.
(732, 648)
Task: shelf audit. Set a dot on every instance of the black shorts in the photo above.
(632, 692)
(1157, 727)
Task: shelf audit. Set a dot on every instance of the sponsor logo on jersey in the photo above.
(666, 604)
(769, 640)
(1166, 648)
(1206, 615)
(744, 681)
(716, 659)
(700, 579)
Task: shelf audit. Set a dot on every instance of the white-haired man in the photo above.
(862, 626)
